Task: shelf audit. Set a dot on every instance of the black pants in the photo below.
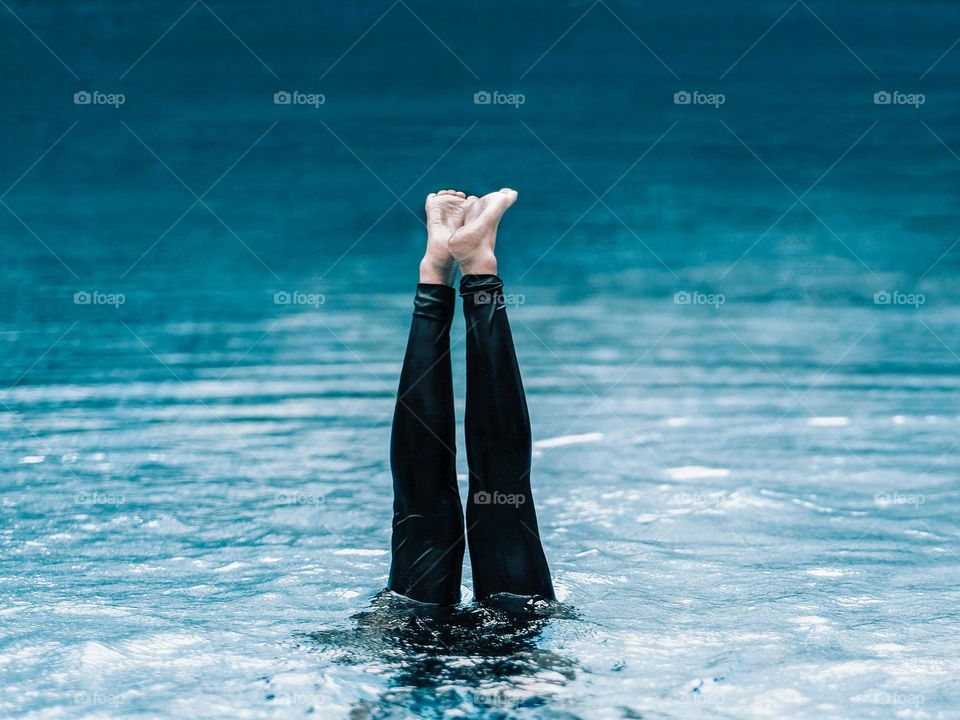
(428, 523)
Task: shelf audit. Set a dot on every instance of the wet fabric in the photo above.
(506, 555)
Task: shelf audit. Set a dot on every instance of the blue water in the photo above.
(748, 500)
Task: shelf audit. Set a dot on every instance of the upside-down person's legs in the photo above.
(427, 539)
(505, 550)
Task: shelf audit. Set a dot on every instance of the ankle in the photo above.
(433, 275)
(483, 264)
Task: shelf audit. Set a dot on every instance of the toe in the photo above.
(461, 193)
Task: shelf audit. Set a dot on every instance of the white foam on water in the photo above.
(811, 620)
(825, 572)
(359, 551)
(777, 703)
(568, 440)
(83, 608)
(32, 459)
(695, 472)
(585, 578)
(887, 649)
(158, 647)
(833, 421)
(95, 655)
(168, 524)
(229, 568)
(857, 600)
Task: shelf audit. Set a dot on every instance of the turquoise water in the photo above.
(744, 403)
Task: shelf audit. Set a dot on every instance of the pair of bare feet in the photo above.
(462, 233)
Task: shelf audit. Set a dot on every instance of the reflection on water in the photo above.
(752, 503)
(465, 658)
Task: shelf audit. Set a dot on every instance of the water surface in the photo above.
(748, 500)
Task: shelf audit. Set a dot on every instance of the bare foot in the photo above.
(472, 245)
(445, 214)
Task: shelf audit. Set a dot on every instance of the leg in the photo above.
(505, 550)
(427, 519)
(427, 539)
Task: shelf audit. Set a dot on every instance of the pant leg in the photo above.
(427, 542)
(504, 540)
